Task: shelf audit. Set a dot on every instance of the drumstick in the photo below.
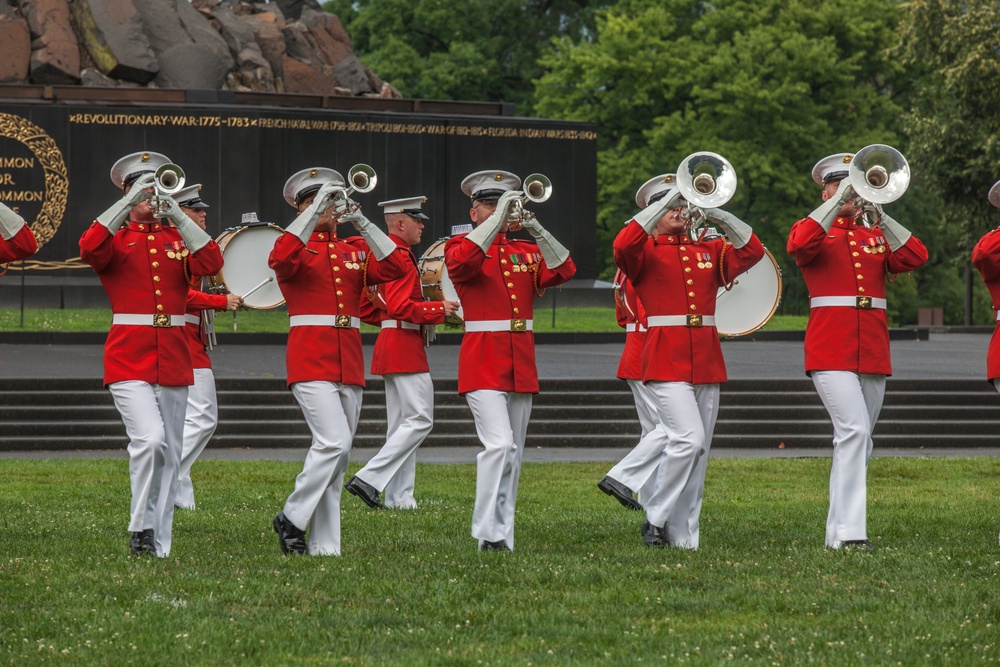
(262, 283)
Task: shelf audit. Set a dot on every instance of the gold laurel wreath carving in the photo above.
(48, 154)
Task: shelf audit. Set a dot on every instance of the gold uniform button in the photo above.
(861, 289)
(850, 233)
(687, 269)
(156, 279)
(506, 274)
(860, 277)
(152, 251)
(510, 284)
(691, 294)
(340, 305)
(159, 306)
(857, 265)
(336, 268)
(513, 297)
(151, 237)
(331, 245)
(690, 282)
(682, 248)
(684, 258)
(516, 311)
(503, 261)
(159, 293)
(693, 307)
(339, 293)
(156, 265)
(854, 243)
(855, 253)
(503, 250)
(337, 280)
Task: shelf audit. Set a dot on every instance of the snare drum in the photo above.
(437, 286)
(245, 250)
(755, 295)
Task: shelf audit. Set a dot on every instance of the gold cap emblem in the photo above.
(144, 157)
(312, 173)
(848, 158)
(498, 177)
(669, 178)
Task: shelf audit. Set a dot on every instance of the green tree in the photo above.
(772, 85)
(471, 50)
(953, 51)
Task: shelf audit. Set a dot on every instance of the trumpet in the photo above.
(879, 175)
(167, 180)
(362, 178)
(537, 188)
(705, 180)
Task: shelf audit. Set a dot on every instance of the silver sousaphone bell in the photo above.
(879, 174)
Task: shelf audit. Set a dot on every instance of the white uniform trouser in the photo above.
(331, 410)
(154, 422)
(502, 424)
(854, 403)
(687, 414)
(637, 469)
(409, 405)
(200, 420)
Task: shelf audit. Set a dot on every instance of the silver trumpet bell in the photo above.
(537, 188)
(879, 174)
(168, 179)
(362, 178)
(706, 180)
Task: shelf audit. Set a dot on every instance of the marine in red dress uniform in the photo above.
(202, 414)
(845, 265)
(144, 266)
(321, 277)
(398, 307)
(677, 278)
(496, 279)
(986, 258)
(16, 239)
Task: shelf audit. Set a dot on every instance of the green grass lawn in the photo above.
(411, 589)
(276, 321)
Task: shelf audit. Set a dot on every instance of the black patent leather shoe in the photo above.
(654, 536)
(142, 543)
(856, 545)
(291, 538)
(365, 491)
(499, 545)
(619, 492)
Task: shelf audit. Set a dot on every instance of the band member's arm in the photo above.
(986, 255)
(400, 305)
(826, 213)
(380, 244)
(205, 301)
(911, 255)
(629, 248)
(552, 251)
(390, 267)
(285, 257)
(483, 235)
(113, 218)
(97, 247)
(739, 260)
(372, 307)
(464, 258)
(805, 240)
(555, 276)
(206, 261)
(16, 239)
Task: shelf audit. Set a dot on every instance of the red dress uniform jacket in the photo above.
(986, 258)
(197, 302)
(21, 245)
(674, 275)
(401, 350)
(630, 313)
(851, 260)
(499, 285)
(326, 277)
(140, 276)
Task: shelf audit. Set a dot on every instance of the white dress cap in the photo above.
(410, 206)
(832, 167)
(664, 183)
(308, 181)
(490, 184)
(995, 194)
(134, 165)
(190, 196)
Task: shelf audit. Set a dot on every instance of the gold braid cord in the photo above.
(364, 272)
(48, 155)
(534, 278)
(38, 265)
(722, 266)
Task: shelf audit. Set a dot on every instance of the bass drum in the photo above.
(436, 284)
(751, 302)
(245, 250)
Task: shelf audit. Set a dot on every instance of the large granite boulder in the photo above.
(55, 52)
(112, 32)
(15, 46)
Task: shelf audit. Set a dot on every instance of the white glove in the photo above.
(554, 252)
(827, 212)
(895, 233)
(195, 238)
(303, 225)
(10, 223)
(736, 230)
(649, 216)
(484, 234)
(382, 246)
(113, 218)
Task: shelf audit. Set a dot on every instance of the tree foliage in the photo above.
(471, 50)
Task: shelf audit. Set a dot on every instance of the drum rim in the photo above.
(774, 306)
(223, 241)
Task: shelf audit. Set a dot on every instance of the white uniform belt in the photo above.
(192, 319)
(634, 326)
(680, 321)
(515, 325)
(339, 321)
(399, 324)
(863, 302)
(998, 316)
(148, 320)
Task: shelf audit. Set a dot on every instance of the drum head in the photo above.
(436, 284)
(245, 251)
(752, 301)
